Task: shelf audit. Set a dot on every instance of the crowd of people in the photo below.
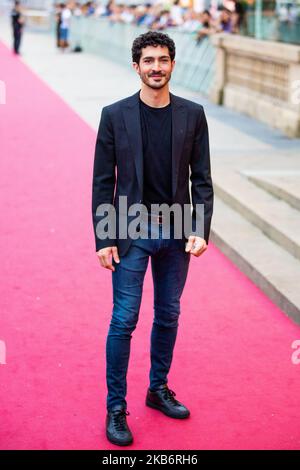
(204, 18)
(227, 17)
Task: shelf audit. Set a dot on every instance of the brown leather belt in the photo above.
(160, 219)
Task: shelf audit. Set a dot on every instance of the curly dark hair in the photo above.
(151, 38)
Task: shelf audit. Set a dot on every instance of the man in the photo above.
(17, 25)
(153, 139)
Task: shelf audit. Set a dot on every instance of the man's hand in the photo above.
(104, 257)
(196, 245)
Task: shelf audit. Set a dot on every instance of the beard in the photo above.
(147, 80)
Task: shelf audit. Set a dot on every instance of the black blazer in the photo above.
(118, 161)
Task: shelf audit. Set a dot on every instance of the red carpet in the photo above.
(232, 364)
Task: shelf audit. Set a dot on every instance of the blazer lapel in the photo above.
(132, 120)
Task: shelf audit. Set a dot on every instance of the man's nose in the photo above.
(156, 67)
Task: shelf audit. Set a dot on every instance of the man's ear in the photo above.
(135, 65)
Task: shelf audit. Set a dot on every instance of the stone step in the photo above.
(281, 184)
(274, 270)
(274, 217)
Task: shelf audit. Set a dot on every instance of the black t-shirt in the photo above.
(156, 126)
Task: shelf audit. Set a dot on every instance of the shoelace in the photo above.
(119, 419)
(169, 395)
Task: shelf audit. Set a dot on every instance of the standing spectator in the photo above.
(64, 26)
(176, 14)
(77, 10)
(58, 10)
(238, 16)
(77, 14)
(17, 25)
(128, 14)
(140, 14)
(207, 27)
(90, 9)
(109, 8)
(225, 21)
(149, 17)
(162, 21)
(191, 22)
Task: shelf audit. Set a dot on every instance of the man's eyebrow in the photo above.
(160, 57)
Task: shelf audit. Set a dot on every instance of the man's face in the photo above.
(206, 18)
(155, 67)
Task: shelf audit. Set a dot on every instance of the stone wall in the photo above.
(259, 78)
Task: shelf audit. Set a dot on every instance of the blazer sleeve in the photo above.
(104, 178)
(200, 176)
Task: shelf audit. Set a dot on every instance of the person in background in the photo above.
(162, 21)
(90, 11)
(109, 8)
(176, 13)
(191, 22)
(148, 17)
(77, 15)
(224, 21)
(58, 10)
(128, 14)
(207, 27)
(64, 26)
(238, 16)
(18, 22)
(77, 12)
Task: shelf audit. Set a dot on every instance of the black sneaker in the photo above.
(117, 430)
(164, 401)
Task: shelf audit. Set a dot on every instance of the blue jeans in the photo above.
(169, 263)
